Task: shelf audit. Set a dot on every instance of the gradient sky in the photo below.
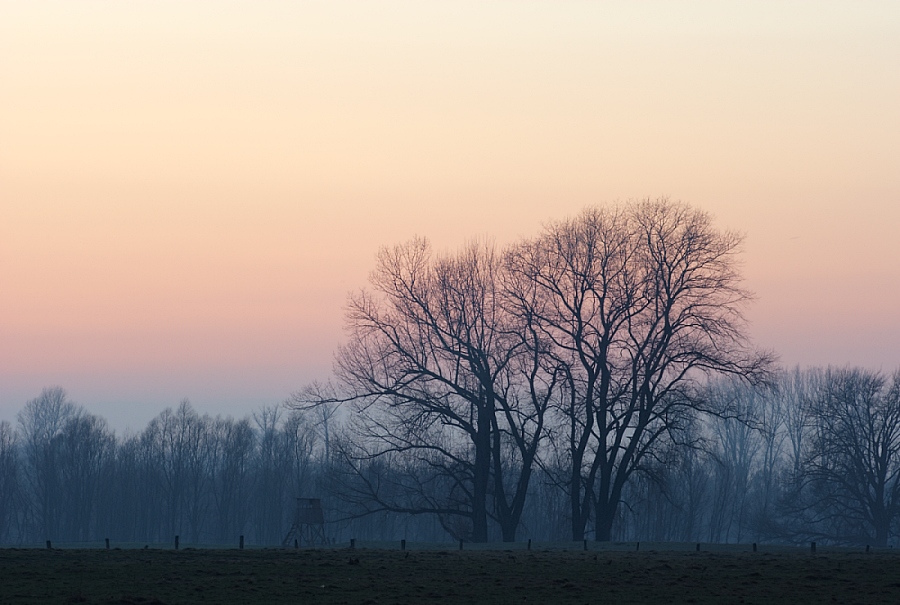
(188, 191)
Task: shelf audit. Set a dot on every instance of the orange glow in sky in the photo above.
(188, 191)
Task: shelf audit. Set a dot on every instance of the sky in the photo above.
(189, 191)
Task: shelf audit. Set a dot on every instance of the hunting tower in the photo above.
(309, 524)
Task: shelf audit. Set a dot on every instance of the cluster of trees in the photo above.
(593, 381)
(583, 351)
(65, 476)
(814, 457)
(591, 357)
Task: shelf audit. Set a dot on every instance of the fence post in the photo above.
(637, 546)
(107, 543)
(241, 545)
(698, 547)
(812, 547)
(176, 542)
(296, 543)
(529, 543)
(585, 545)
(352, 542)
(754, 547)
(48, 545)
(867, 549)
(403, 544)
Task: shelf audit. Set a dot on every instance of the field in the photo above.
(165, 576)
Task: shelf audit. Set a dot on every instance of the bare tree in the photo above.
(433, 369)
(581, 272)
(642, 303)
(848, 489)
(40, 422)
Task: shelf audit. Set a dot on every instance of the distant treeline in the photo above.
(815, 457)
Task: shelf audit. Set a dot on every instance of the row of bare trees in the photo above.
(813, 455)
(64, 475)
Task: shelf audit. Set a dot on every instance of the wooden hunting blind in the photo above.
(309, 524)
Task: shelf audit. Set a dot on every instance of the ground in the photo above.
(332, 576)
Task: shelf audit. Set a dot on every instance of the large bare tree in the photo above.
(642, 303)
(434, 368)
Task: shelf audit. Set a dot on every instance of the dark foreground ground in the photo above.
(154, 577)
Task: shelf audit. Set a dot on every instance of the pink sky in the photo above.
(188, 191)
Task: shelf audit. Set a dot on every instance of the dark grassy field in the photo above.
(491, 576)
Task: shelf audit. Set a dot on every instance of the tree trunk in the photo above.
(579, 518)
(604, 523)
(482, 473)
(508, 530)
